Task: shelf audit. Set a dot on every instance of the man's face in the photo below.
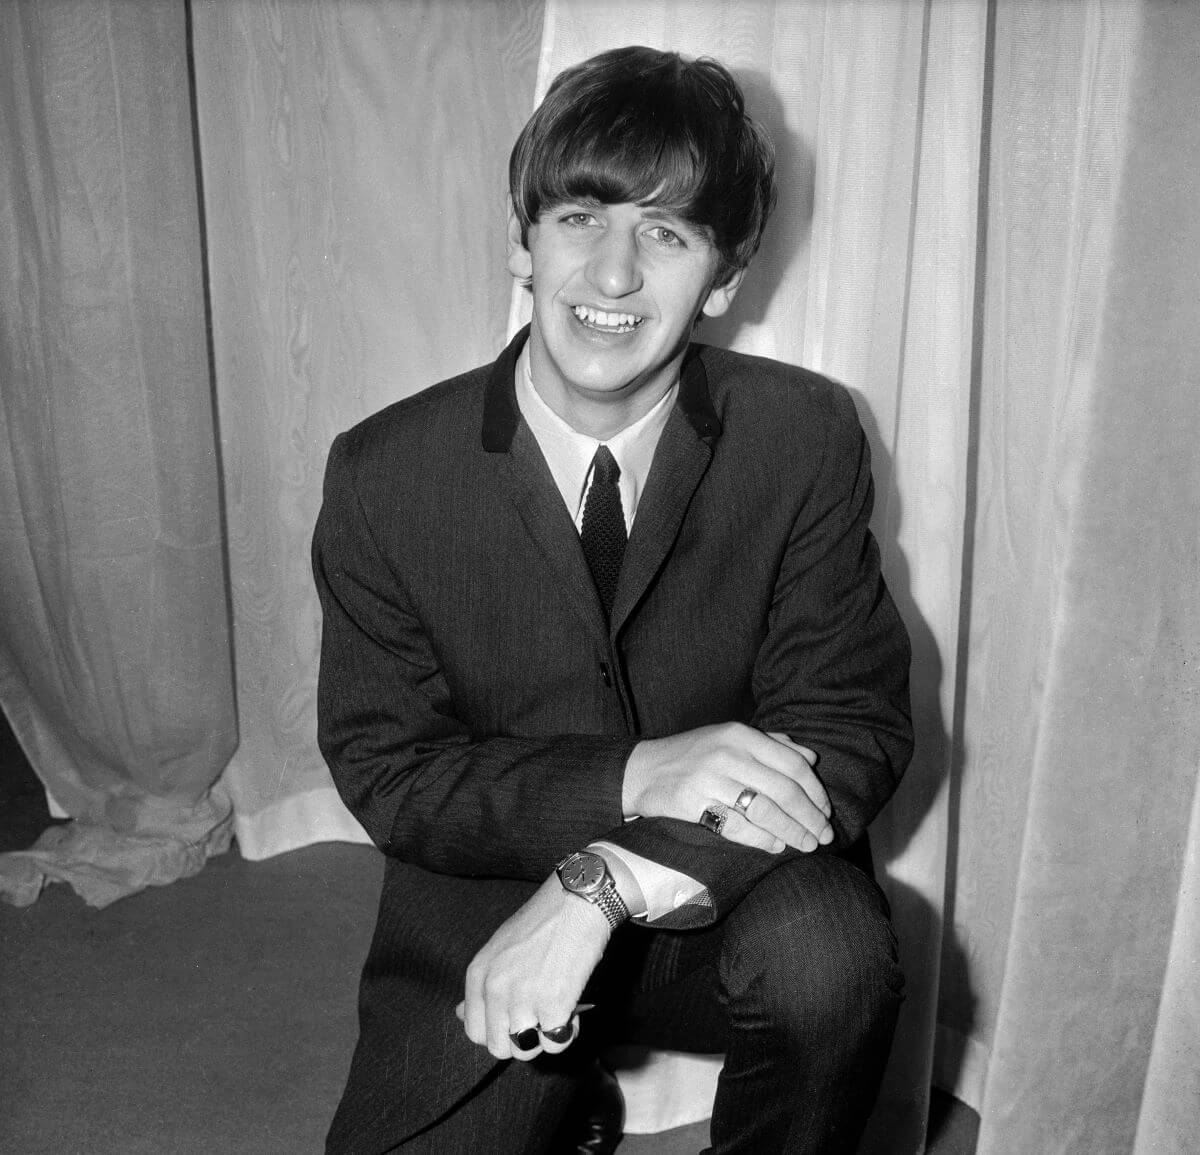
(617, 290)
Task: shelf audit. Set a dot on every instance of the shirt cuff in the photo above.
(663, 890)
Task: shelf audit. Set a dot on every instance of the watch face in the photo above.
(583, 873)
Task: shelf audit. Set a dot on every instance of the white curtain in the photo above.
(988, 231)
(115, 668)
(353, 160)
(1076, 781)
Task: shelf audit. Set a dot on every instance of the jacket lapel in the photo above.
(549, 524)
(523, 472)
(680, 460)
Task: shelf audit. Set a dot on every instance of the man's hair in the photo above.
(635, 125)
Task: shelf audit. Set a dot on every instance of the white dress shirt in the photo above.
(569, 455)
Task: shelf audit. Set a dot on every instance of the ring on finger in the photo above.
(564, 1034)
(714, 817)
(526, 1040)
(744, 799)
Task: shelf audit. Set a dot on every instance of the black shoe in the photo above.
(594, 1125)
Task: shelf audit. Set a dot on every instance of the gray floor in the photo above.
(213, 1015)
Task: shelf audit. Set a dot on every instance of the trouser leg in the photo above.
(810, 976)
(800, 986)
(515, 1109)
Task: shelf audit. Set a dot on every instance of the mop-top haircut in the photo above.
(638, 126)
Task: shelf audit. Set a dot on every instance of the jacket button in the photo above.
(605, 674)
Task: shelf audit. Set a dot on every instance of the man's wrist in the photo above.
(624, 880)
(586, 915)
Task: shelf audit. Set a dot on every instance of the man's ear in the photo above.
(720, 298)
(520, 261)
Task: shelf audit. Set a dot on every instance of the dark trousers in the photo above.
(799, 987)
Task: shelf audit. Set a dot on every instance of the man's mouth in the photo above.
(604, 322)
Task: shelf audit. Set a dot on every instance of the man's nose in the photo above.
(615, 267)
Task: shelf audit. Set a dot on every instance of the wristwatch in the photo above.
(586, 874)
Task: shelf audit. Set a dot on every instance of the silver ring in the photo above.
(714, 817)
(745, 798)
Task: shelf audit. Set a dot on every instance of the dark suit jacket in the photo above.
(476, 711)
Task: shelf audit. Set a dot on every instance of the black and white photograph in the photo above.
(584, 578)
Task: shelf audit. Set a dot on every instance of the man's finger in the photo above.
(799, 770)
(809, 755)
(738, 828)
(474, 1013)
(501, 1018)
(784, 808)
(772, 818)
(762, 791)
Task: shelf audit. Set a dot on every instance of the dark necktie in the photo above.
(603, 531)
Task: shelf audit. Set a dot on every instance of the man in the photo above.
(609, 671)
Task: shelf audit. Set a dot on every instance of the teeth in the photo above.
(602, 320)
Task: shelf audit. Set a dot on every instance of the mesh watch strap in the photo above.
(612, 905)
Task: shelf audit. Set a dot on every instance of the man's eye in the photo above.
(668, 237)
(578, 219)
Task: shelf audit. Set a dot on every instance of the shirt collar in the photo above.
(501, 415)
(569, 453)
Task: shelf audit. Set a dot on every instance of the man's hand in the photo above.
(680, 776)
(531, 972)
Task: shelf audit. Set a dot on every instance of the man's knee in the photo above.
(812, 948)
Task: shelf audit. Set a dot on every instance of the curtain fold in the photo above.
(1091, 416)
(115, 666)
(354, 173)
(1056, 150)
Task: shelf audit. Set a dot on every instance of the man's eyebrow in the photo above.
(679, 223)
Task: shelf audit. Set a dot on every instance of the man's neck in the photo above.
(604, 420)
(604, 416)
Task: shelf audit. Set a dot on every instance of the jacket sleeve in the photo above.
(425, 788)
(832, 672)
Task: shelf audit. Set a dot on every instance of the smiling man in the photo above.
(610, 674)
(597, 363)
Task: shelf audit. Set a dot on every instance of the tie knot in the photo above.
(606, 471)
